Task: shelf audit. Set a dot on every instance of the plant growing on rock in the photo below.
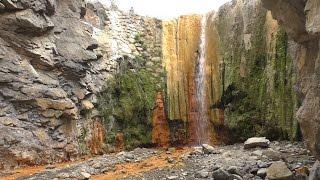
(127, 102)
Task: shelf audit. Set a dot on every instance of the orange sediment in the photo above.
(26, 171)
(138, 168)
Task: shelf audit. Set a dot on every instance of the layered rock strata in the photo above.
(55, 57)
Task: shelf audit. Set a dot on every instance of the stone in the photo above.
(315, 171)
(87, 105)
(232, 169)
(85, 175)
(202, 174)
(172, 177)
(257, 153)
(50, 166)
(220, 174)
(235, 177)
(302, 170)
(197, 150)
(63, 175)
(2, 6)
(256, 142)
(279, 171)
(207, 149)
(262, 172)
(46, 103)
(170, 160)
(273, 155)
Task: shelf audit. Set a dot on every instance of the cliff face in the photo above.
(249, 75)
(301, 21)
(79, 78)
(181, 38)
(257, 73)
(55, 59)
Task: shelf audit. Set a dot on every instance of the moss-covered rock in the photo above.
(257, 74)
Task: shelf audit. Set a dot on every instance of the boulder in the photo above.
(207, 149)
(256, 142)
(220, 174)
(279, 171)
(315, 171)
(262, 172)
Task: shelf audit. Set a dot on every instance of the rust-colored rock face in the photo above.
(160, 126)
(97, 137)
(181, 40)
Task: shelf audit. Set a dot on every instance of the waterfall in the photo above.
(202, 118)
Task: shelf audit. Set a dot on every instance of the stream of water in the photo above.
(202, 119)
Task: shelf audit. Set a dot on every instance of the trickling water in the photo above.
(202, 118)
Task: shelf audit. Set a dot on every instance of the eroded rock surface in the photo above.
(55, 57)
(301, 21)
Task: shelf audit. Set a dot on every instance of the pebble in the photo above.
(172, 177)
(85, 175)
(50, 166)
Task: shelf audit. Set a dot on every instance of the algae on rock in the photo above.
(257, 74)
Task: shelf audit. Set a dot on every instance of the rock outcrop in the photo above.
(301, 21)
(250, 73)
(257, 73)
(181, 38)
(55, 58)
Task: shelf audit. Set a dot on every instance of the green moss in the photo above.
(252, 106)
(129, 98)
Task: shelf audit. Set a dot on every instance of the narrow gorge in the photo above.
(90, 84)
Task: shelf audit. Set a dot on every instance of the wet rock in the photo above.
(315, 171)
(279, 171)
(220, 174)
(256, 142)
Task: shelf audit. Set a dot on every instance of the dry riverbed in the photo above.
(226, 162)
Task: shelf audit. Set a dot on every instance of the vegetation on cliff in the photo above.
(128, 100)
(257, 80)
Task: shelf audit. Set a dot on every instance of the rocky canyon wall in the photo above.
(55, 60)
(257, 73)
(79, 78)
(301, 20)
(181, 39)
(249, 75)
